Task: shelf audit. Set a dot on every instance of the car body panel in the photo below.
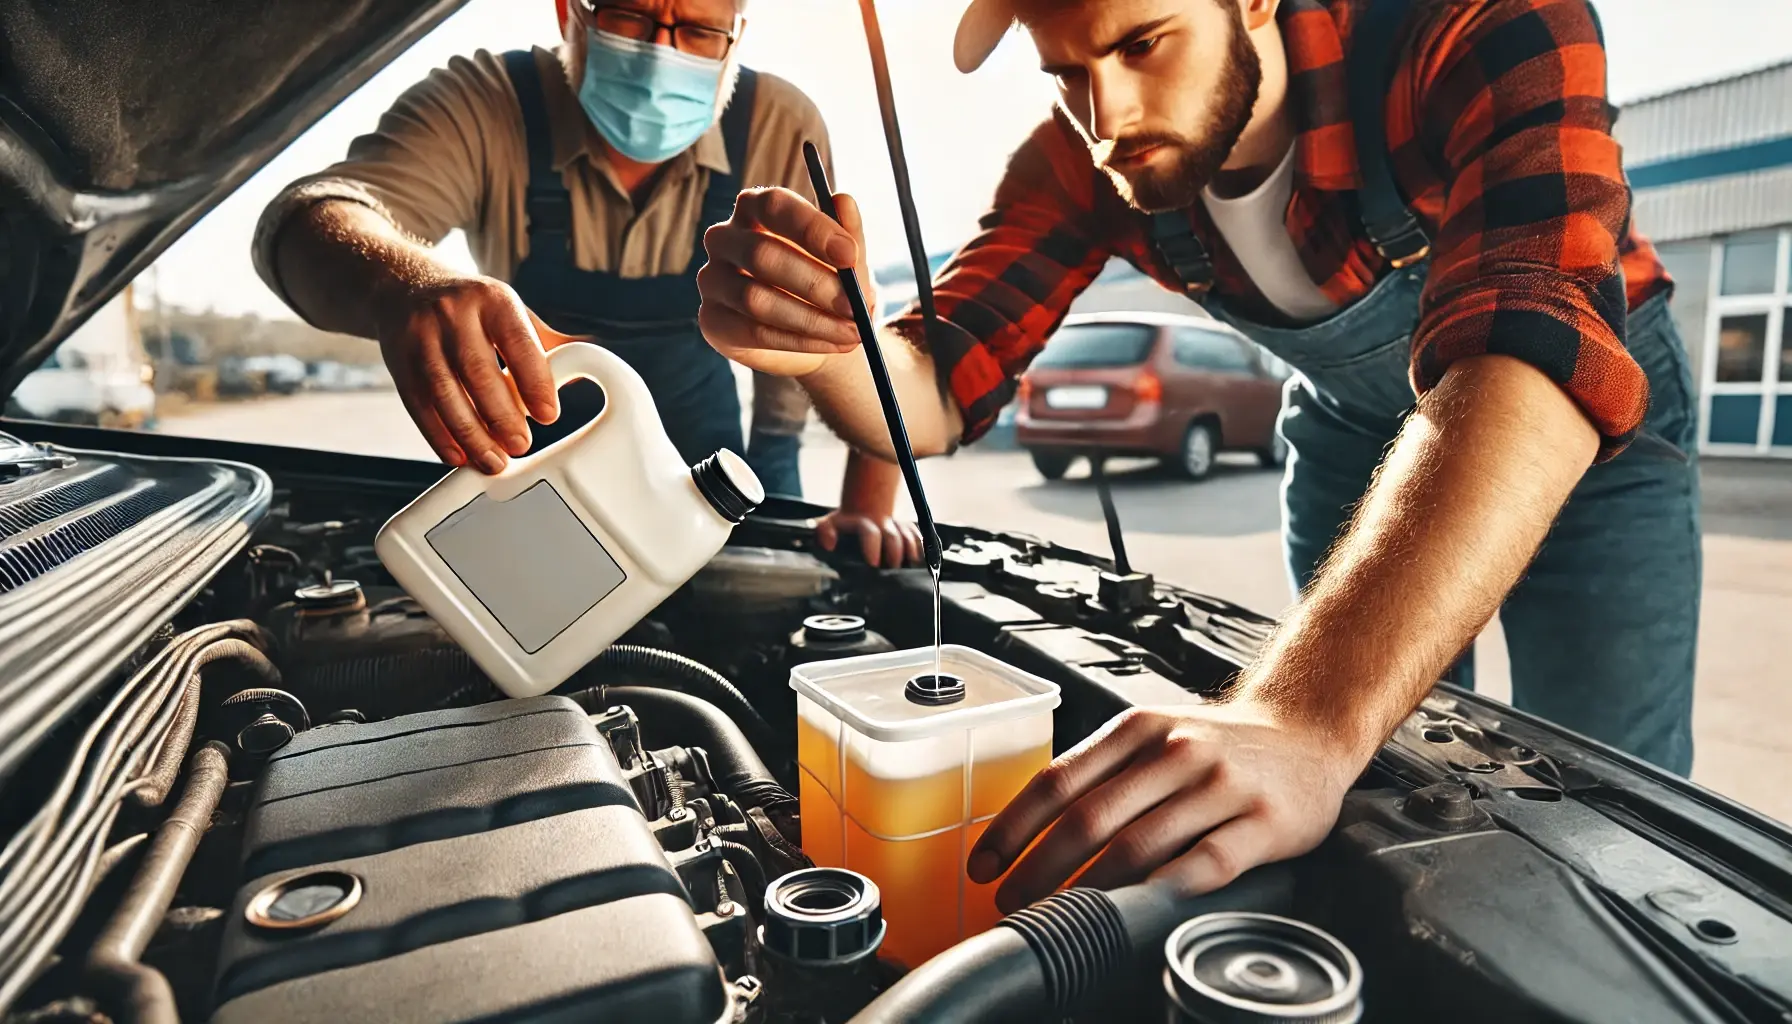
(1241, 398)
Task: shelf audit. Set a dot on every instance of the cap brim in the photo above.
(980, 31)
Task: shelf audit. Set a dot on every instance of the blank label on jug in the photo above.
(529, 560)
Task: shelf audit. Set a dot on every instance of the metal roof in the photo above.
(1715, 206)
(1713, 158)
(1750, 107)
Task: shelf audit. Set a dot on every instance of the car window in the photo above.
(1211, 351)
(1089, 346)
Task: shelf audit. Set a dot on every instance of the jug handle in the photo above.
(619, 381)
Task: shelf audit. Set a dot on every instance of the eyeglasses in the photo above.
(695, 38)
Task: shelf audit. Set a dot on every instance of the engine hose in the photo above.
(386, 684)
(745, 865)
(131, 991)
(684, 674)
(1039, 962)
(241, 657)
(670, 717)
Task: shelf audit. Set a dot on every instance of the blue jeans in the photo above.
(1603, 628)
(774, 459)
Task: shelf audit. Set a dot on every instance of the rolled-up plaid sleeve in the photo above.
(1006, 290)
(1526, 258)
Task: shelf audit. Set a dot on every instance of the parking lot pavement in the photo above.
(1219, 536)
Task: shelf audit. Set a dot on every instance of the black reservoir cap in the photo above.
(823, 916)
(833, 628)
(934, 690)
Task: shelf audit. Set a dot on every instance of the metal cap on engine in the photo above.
(822, 917)
(833, 629)
(1242, 968)
(335, 594)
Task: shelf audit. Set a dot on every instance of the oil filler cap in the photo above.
(304, 901)
(1240, 968)
(823, 916)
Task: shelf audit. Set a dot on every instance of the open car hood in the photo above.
(112, 146)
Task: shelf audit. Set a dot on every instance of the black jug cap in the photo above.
(729, 485)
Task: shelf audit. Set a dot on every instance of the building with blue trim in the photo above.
(1710, 168)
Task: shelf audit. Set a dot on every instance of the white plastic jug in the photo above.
(535, 570)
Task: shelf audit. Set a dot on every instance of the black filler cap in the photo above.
(729, 485)
(934, 690)
(823, 916)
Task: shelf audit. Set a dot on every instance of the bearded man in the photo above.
(1419, 205)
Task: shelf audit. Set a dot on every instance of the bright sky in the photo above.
(958, 129)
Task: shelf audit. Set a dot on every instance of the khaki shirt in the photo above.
(451, 153)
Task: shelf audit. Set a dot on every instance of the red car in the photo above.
(1179, 388)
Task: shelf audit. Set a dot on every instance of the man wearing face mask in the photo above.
(583, 177)
(1418, 204)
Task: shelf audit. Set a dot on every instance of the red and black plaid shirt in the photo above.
(1499, 135)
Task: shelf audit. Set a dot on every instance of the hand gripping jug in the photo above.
(900, 776)
(536, 570)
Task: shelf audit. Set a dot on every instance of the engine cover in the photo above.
(485, 863)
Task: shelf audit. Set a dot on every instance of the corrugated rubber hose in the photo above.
(1041, 961)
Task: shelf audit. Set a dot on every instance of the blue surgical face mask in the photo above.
(651, 102)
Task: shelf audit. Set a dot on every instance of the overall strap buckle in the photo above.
(1173, 234)
(1387, 220)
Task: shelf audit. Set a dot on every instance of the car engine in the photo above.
(298, 800)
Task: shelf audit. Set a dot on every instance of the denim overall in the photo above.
(1602, 628)
(650, 322)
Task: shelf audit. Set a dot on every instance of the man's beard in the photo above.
(1177, 178)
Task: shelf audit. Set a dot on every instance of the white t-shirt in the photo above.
(1254, 225)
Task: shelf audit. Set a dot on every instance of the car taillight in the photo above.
(1148, 388)
(1026, 389)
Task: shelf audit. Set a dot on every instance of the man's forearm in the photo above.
(335, 258)
(1457, 511)
(870, 484)
(846, 398)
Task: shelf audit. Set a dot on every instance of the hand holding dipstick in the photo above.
(880, 374)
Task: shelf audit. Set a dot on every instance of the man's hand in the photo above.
(349, 269)
(884, 540)
(868, 509)
(772, 297)
(1193, 796)
(442, 342)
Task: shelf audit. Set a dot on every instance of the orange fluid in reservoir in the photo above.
(911, 836)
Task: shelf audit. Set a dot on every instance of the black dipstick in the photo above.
(880, 374)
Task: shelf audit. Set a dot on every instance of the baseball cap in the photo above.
(984, 24)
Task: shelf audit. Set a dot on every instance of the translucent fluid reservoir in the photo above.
(898, 784)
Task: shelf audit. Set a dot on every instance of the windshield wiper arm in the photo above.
(18, 458)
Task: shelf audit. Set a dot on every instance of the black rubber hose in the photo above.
(746, 866)
(1041, 961)
(682, 673)
(669, 717)
(131, 991)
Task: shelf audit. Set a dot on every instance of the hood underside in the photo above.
(122, 124)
